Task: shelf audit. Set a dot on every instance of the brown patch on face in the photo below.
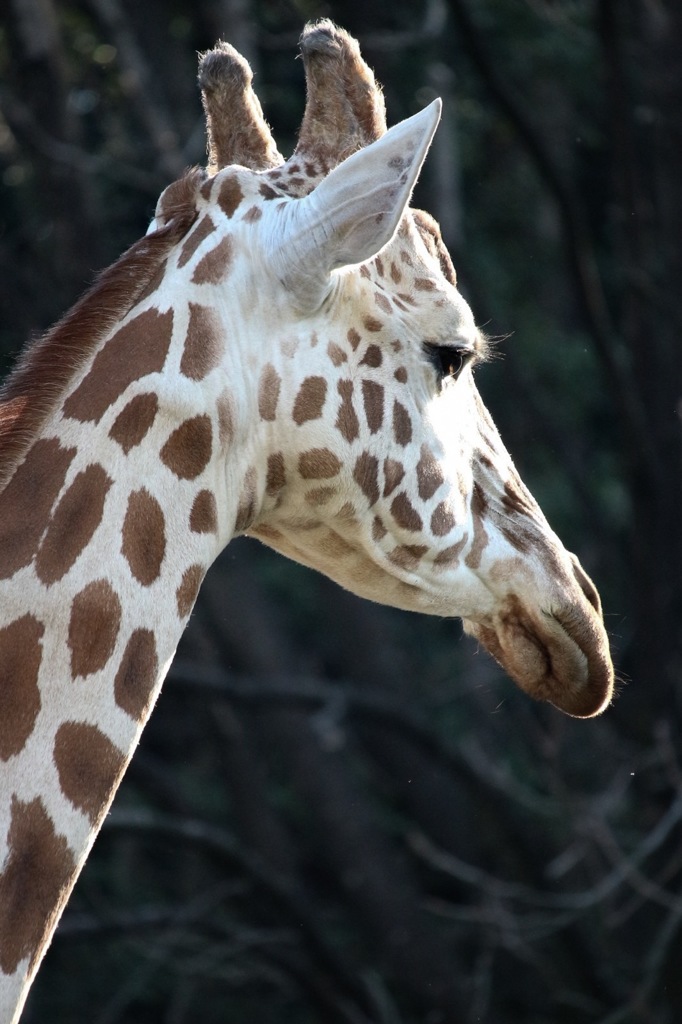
(429, 474)
(372, 324)
(137, 674)
(382, 302)
(404, 513)
(268, 193)
(318, 464)
(269, 387)
(26, 501)
(202, 230)
(225, 419)
(348, 513)
(336, 354)
(136, 350)
(450, 556)
(203, 343)
(442, 520)
(373, 400)
(20, 657)
(333, 545)
(134, 421)
(366, 476)
(353, 338)
(187, 451)
(248, 501)
(253, 214)
(89, 766)
(347, 421)
(407, 556)
(515, 500)
(34, 884)
(186, 594)
(319, 495)
(215, 265)
(230, 195)
(267, 533)
(379, 265)
(396, 274)
(393, 474)
(372, 357)
(310, 400)
(479, 507)
(401, 375)
(93, 627)
(203, 517)
(379, 531)
(402, 424)
(424, 284)
(276, 474)
(144, 537)
(73, 524)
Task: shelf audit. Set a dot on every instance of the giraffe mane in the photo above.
(47, 367)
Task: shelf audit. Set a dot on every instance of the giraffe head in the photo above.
(367, 451)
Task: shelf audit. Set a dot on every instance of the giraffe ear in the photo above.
(355, 211)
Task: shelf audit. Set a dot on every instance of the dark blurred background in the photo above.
(342, 813)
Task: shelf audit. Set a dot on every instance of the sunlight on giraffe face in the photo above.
(324, 314)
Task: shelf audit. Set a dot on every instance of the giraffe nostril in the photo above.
(586, 585)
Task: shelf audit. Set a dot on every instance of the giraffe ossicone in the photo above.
(286, 355)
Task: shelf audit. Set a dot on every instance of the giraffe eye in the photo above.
(449, 360)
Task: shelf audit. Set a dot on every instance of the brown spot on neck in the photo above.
(134, 421)
(203, 343)
(137, 349)
(73, 523)
(203, 517)
(186, 594)
(214, 267)
(93, 627)
(34, 884)
(137, 675)
(230, 195)
(89, 766)
(26, 501)
(144, 537)
(188, 450)
(20, 658)
(200, 231)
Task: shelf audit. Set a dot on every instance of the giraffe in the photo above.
(284, 355)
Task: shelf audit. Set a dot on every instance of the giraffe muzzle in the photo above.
(559, 655)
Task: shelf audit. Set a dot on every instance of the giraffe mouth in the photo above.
(561, 656)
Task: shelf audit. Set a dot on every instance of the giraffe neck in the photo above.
(107, 526)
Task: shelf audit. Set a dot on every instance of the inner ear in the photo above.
(355, 211)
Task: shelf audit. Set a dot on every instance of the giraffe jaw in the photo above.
(560, 656)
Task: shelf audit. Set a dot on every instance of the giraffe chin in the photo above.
(561, 656)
